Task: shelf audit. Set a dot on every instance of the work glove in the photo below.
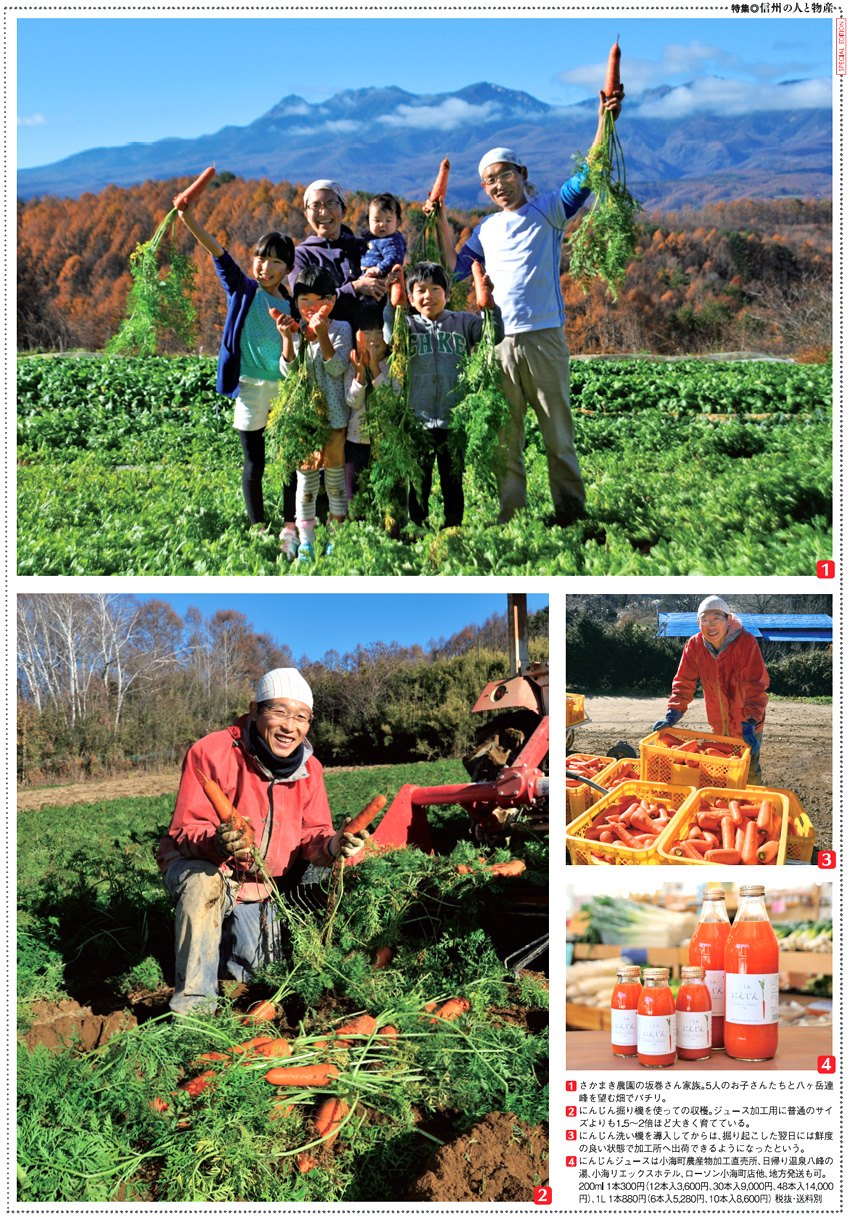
(345, 844)
(748, 731)
(234, 842)
(669, 720)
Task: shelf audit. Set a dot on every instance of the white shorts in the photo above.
(251, 407)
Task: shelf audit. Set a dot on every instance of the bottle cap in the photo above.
(752, 889)
(693, 973)
(628, 970)
(656, 973)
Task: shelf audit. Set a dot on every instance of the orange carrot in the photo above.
(739, 839)
(727, 832)
(280, 1109)
(452, 1009)
(365, 817)
(398, 294)
(158, 1105)
(192, 193)
(766, 854)
(196, 1086)
(261, 1012)
(765, 816)
(302, 1075)
(381, 958)
(364, 1025)
(306, 1163)
(724, 857)
(437, 193)
(612, 76)
(737, 814)
(329, 1118)
(751, 844)
(224, 809)
(483, 291)
(274, 1048)
(507, 869)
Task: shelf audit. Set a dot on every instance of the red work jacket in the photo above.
(735, 682)
(290, 818)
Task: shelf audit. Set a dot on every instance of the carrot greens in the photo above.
(158, 304)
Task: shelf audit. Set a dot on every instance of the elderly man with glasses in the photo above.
(225, 924)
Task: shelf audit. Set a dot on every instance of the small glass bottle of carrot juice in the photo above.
(656, 1021)
(751, 1029)
(624, 1003)
(693, 1016)
(707, 950)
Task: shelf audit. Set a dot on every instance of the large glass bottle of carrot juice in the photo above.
(708, 950)
(656, 1021)
(624, 1003)
(751, 1030)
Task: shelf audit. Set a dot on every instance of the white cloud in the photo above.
(452, 112)
(342, 125)
(680, 63)
(735, 97)
(36, 120)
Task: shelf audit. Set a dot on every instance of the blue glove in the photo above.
(669, 720)
(749, 732)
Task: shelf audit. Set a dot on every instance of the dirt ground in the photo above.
(499, 1159)
(134, 786)
(796, 749)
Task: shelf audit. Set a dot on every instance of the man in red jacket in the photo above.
(263, 763)
(726, 660)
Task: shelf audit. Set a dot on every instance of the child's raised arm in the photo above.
(198, 231)
(445, 231)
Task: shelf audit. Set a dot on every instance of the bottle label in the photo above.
(752, 999)
(715, 982)
(693, 1029)
(656, 1034)
(624, 1028)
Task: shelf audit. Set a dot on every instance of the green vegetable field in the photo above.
(120, 1116)
(131, 466)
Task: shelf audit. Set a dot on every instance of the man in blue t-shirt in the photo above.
(520, 246)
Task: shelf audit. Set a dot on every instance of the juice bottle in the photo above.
(624, 1003)
(707, 950)
(693, 1017)
(656, 1021)
(751, 1031)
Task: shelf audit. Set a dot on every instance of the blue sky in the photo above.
(158, 77)
(311, 624)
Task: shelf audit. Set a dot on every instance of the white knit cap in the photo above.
(713, 604)
(495, 155)
(284, 682)
(324, 183)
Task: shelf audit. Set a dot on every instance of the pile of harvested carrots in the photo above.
(290, 1080)
(587, 766)
(699, 746)
(629, 772)
(731, 832)
(631, 822)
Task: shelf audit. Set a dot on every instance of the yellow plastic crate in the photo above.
(801, 832)
(620, 855)
(658, 764)
(617, 770)
(686, 819)
(581, 797)
(575, 709)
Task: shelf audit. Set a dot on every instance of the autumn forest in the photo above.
(731, 276)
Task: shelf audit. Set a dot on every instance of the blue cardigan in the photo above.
(240, 292)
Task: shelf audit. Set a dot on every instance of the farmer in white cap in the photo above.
(520, 246)
(266, 768)
(334, 246)
(727, 661)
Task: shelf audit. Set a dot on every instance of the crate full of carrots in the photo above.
(694, 758)
(580, 796)
(625, 770)
(625, 826)
(801, 832)
(575, 710)
(722, 827)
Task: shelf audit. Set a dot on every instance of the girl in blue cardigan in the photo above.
(249, 359)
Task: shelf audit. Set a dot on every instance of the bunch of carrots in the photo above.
(158, 304)
(629, 772)
(587, 766)
(631, 822)
(729, 752)
(293, 1081)
(731, 832)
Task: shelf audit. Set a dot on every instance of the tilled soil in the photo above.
(796, 750)
(499, 1159)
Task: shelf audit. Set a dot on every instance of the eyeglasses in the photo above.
(504, 176)
(281, 716)
(319, 207)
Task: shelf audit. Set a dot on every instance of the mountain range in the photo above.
(376, 139)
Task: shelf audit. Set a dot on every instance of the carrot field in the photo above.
(131, 466)
(110, 1108)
